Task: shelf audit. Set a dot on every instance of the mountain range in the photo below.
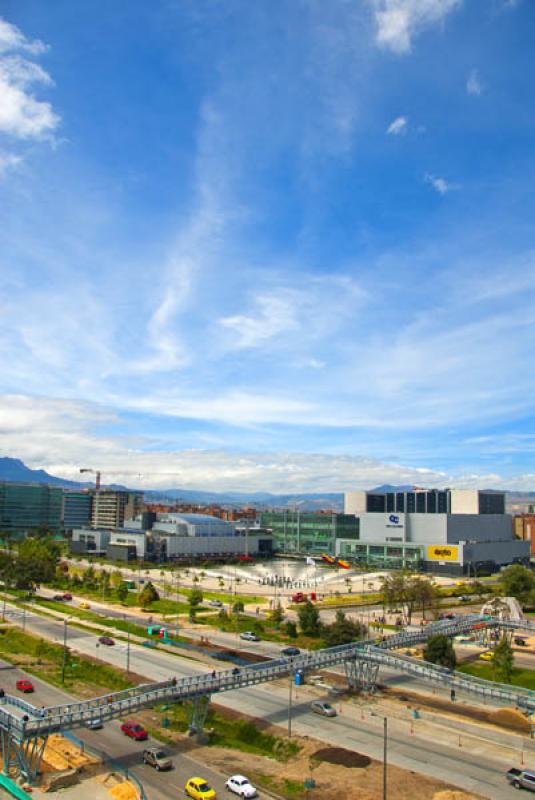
(13, 469)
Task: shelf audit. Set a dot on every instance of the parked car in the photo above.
(249, 636)
(323, 708)
(488, 656)
(157, 758)
(241, 786)
(290, 651)
(520, 641)
(521, 778)
(58, 597)
(215, 604)
(67, 596)
(85, 605)
(199, 789)
(135, 731)
(24, 686)
(107, 640)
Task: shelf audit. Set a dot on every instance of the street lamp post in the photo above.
(385, 737)
(128, 651)
(290, 706)
(64, 659)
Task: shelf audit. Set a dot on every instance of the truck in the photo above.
(302, 597)
(521, 778)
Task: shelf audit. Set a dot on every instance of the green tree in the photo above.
(503, 661)
(122, 592)
(517, 581)
(424, 593)
(277, 615)
(238, 607)
(35, 564)
(309, 619)
(439, 650)
(342, 630)
(148, 596)
(290, 629)
(6, 568)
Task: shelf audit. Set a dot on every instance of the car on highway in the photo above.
(85, 605)
(488, 656)
(67, 596)
(290, 651)
(249, 636)
(94, 724)
(215, 604)
(107, 640)
(240, 785)
(24, 686)
(157, 758)
(520, 641)
(521, 778)
(58, 597)
(135, 731)
(199, 789)
(323, 708)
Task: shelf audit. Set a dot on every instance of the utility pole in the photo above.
(177, 586)
(128, 651)
(385, 732)
(290, 706)
(64, 659)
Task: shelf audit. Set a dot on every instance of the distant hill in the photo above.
(13, 469)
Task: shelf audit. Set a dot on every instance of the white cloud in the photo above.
(8, 161)
(473, 84)
(440, 185)
(21, 114)
(399, 21)
(62, 436)
(397, 127)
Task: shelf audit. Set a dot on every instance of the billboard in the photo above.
(442, 552)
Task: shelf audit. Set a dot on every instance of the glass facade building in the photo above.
(76, 509)
(383, 556)
(314, 534)
(30, 506)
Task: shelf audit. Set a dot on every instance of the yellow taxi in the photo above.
(199, 789)
(85, 605)
(488, 656)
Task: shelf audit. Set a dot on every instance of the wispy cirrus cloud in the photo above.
(440, 185)
(473, 83)
(397, 126)
(400, 21)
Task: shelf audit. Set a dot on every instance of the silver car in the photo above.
(323, 708)
(157, 758)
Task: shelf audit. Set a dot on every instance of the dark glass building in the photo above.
(30, 506)
(314, 534)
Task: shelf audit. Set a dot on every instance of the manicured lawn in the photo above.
(44, 659)
(521, 677)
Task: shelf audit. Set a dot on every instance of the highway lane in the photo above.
(471, 770)
(125, 751)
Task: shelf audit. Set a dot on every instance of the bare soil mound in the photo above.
(510, 718)
(342, 757)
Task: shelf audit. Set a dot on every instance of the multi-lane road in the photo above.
(471, 768)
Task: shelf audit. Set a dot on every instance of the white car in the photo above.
(240, 786)
(249, 636)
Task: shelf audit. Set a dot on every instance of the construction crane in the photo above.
(97, 476)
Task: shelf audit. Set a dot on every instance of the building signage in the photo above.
(442, 552)
(393, 521)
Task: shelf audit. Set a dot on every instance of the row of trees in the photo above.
(341, 631)
(439, 650)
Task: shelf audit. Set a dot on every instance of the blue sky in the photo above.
(283, 245)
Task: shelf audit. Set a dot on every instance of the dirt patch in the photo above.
(504, 718)
(342, 757)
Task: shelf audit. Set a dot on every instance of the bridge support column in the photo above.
(361, 675)
(22, 758)
(197, 714)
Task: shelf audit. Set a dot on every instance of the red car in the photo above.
(135, 731)
(107, 640)
(24, 686)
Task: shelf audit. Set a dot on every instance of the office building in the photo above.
(447, 531)
(76, 509)
(313, 534)
(112, 508)
(27, 507)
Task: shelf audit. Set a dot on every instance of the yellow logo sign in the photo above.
(442, 552)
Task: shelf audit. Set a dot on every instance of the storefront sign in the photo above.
(442, 552)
